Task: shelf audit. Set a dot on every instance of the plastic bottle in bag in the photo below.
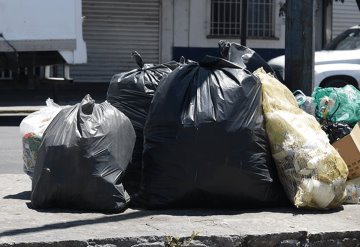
(305, 103)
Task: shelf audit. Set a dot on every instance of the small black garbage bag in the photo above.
(205, 142)
(335, 131)
(243, 56)
(131, 92)
(82, 159)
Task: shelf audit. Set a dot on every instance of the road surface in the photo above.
(10, 146)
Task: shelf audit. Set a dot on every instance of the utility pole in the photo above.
(299, 45)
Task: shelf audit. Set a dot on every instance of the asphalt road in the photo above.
(10, 146)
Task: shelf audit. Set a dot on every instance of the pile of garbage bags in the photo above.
(221, 132)
(338, 111)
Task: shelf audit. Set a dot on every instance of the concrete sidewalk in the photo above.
(19, 110)
(22, 226)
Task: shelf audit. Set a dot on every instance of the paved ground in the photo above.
(276, 227)
(10, 150)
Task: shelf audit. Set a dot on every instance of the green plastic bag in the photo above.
(338, 104)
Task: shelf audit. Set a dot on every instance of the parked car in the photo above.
(335, 66)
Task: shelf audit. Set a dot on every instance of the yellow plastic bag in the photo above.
(311, 170)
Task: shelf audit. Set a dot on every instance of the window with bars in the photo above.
(226, 18)
(6, 75)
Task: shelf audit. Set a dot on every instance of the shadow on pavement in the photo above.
(25, 195)
(145, 213)
(75, 223)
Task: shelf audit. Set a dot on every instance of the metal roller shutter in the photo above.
(111, 30)
(345, 15)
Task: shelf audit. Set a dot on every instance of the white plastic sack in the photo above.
(32, 129)
(38, 121)
(311, 170)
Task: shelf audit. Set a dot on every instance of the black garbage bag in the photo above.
(335, 131)
(205, 142)
(131, 92)
(243, 56)
(82, 159)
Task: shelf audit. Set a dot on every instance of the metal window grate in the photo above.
(6, 75)
(226, 18)
(261, 18)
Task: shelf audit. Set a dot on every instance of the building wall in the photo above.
(190, 20)
(186, 25)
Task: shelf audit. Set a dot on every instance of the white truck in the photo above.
(335, 66)
(39, 34)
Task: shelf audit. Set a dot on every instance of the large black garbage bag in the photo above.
(205, 142)
(82, 159)
(131, 92)
(243, 56)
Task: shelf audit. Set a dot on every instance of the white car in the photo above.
(335, 66)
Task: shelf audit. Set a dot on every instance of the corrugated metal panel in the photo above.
(345, 15)
(112, 29)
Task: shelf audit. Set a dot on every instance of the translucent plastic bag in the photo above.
(338, 104)
(311, 170)
(305, 103)
(32, 128)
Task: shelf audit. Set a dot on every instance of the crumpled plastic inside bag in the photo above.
(311, 170)
(353, 191)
